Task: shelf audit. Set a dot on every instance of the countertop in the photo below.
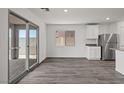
(117, 49)
(92, 45)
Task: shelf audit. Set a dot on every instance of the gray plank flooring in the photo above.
(74, 71)
(17, 67)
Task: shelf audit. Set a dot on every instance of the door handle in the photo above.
(15, 48)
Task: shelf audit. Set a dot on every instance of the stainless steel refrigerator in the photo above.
(107, 41)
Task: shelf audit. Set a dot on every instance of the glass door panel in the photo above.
(17, 47)
(32, 45)
(17, 53)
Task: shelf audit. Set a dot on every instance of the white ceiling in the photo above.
(79, 15)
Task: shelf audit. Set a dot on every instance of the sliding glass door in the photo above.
(23, 46)
(17, 47)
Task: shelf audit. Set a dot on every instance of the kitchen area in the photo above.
(106, 46)
(99, 45)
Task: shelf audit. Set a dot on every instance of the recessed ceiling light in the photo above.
(107, 18)
(66, 10)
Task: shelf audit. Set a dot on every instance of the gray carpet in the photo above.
(74, 71)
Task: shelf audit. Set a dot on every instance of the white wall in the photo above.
(4, 38)
(42, 41)
(77, 51)
(108, 28)
(3, 46)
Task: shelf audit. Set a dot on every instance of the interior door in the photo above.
(33, 45)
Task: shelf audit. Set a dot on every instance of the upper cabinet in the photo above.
(92, 31)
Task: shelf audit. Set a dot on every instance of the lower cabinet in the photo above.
(93, 52)
(119, 64)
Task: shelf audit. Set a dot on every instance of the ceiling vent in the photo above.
(92, 23)
(46, 9)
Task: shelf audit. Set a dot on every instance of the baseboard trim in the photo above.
(66, 57)
(43, 61)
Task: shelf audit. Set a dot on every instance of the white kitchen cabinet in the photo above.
(92, 31)
(93, 52)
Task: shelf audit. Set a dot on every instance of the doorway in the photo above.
(23, 46)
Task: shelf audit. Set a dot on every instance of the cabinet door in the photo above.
(92, 31)
(89, 32)
(93, 53)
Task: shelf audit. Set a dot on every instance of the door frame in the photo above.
(37, 45)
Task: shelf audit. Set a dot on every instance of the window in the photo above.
(60, 38)
(65, 38)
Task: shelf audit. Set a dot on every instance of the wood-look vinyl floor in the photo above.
(17, 66)
(74, 71)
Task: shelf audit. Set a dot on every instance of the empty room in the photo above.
(62, 46)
